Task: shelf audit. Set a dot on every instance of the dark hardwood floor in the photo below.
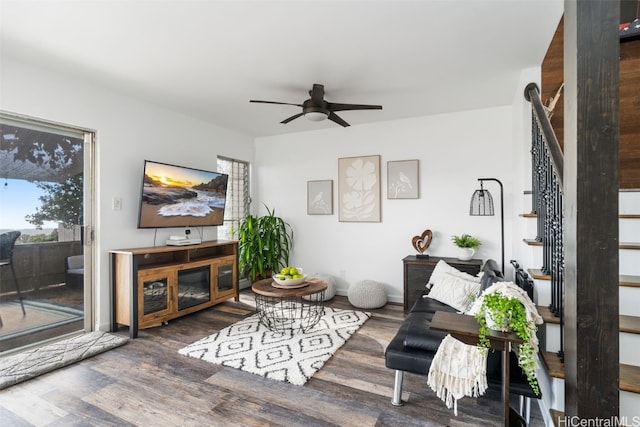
(147, 383)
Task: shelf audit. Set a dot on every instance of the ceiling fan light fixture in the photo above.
(316, 116)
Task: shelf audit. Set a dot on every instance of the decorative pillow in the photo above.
(443, 268)
(455, 291)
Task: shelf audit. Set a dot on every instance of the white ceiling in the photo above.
(208, 58)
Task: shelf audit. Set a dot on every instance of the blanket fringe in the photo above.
(457, 370)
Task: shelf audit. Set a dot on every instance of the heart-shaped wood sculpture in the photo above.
(421, 243)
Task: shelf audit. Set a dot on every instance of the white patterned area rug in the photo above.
(292, 357)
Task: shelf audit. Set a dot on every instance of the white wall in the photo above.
(128, 131)
(523, 227)
(453, 150)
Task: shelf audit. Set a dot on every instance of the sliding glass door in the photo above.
(45, 212)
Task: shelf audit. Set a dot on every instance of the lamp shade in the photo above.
(481, 203)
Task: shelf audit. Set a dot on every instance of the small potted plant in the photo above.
(263, 244)
(507, 314)
(467, 245)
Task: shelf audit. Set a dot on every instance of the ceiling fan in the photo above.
(317, 109)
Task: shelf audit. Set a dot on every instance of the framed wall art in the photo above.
(320, 197)
(402, 179)
(359, 189)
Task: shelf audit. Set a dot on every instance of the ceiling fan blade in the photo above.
(344, 107)
(335, 118)
(317, 94)
(295, 116)
(274, 102)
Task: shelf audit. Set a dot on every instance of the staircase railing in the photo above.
(547, 200)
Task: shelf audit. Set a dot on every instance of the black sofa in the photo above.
(414, 346)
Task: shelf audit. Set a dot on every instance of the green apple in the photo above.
(293, 271)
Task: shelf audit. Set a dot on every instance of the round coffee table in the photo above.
(284, 310)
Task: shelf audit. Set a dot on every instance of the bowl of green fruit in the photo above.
(289, 277)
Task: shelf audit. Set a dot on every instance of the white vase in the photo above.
(465, 254)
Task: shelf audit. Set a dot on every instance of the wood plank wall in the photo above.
(552, 78)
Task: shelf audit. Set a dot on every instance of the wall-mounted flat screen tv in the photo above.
(178, 196)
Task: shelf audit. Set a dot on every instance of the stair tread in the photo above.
(623, 245)
(630, 245)
(532, 242)
(628, 280)
(557, 417)
(554, 366)
(629, 324)
(536, 273)
(625, 279)
(621, 216)
(630, 216)
(629, 374)
(547, 315)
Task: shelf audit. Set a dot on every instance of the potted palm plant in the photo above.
(264, 243)
(467, 245)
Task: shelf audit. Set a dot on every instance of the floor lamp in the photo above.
(482, 205)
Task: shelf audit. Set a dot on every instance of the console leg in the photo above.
(397, 389)
(528, 409)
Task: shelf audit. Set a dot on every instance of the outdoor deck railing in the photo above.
(38, 265)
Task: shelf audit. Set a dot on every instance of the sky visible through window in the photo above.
(19, 198)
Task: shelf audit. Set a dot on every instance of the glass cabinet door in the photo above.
(226, 277)
(154, 294)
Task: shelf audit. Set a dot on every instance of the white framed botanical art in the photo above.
(402, 179)
(320, 197)
(359, 189)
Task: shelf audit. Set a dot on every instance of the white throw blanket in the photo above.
(510, 289)
(458, 369)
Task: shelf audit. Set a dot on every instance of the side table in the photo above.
(465, 329)
(284, 310)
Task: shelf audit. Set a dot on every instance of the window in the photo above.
(238, 199)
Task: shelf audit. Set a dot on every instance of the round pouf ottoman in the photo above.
(367, 294)
(331, 285)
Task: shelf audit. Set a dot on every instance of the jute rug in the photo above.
(292, 357)
(31, 363)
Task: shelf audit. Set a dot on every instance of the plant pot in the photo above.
(465, 254)
(495, 325)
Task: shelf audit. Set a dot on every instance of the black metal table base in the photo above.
(290, 314)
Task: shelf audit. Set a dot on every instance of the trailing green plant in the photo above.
(509, 314)
(466, 241)
(263, 244)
